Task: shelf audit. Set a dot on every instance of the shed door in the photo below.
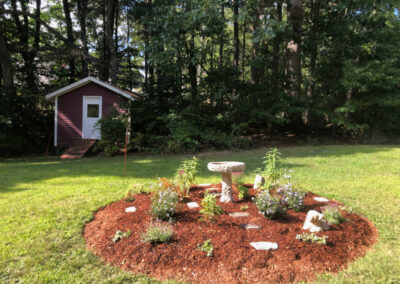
(91, 114)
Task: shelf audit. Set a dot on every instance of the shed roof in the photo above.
(88, 80)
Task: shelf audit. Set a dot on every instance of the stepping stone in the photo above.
(321, 199)
(250, 226)
(239, 214)
(192, 205)
(130, 209)
(264, 245)
(204, 184)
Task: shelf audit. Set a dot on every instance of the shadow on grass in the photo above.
(31, 170)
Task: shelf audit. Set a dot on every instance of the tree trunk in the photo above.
(109, 28)
(192, 67)
(82, 12)
(221, 41)
(28, 54)
(313, 59)
(254, 53)
(277, 42)
(236, 41)
(70, 37)
(293, 48)
(6, 67)
(243, 48)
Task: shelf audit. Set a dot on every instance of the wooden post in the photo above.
(126, 148)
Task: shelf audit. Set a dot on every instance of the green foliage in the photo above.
(113, 129)
(207, 247)
(244, 207)
(272, 165)
(130, 195)
(164, 204)
(119, 235)
(185, 175)
(332, 215)
(210, 210)
(270, 206)
(312, 238)
(243, 192)
(158, 233)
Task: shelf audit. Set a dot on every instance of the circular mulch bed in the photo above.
(234, 260)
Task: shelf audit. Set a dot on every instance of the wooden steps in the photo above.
(78, 150)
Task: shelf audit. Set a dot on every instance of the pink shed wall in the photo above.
(69, 118)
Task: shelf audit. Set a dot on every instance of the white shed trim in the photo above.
(55, 121)
(85, 81)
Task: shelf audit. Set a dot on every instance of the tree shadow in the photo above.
(15, 172)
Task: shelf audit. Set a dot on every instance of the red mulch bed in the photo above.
(234, 260)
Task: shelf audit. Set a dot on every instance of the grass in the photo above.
(45, 202)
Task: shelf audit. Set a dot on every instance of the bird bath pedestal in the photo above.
(226, 169)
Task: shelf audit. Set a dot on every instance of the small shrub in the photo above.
(207, 247)
(271, 207)
(243, 192)
(158, 233)
(185, 175)
(244, 208)
(130, 195)
(210, 210)
(312, 238)
(332, 215)
(164, 204)
(119, 235)
(113, 128)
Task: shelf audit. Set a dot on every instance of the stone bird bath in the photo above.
(226, 169)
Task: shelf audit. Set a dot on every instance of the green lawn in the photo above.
(44, 203)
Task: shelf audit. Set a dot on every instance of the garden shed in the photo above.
(80, 105)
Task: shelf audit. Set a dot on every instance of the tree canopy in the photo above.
(210, 71)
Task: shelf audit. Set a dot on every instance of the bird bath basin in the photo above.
(226, 169)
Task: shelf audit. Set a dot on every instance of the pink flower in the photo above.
(181, 172)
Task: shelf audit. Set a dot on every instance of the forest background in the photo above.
(211, 73)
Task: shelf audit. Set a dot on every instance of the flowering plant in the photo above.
(164, 203)
(270, 206)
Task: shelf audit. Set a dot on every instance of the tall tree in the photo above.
(293, 48)
(82, 15)
(70, 42)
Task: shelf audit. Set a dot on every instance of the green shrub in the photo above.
(207, 247)
(312, 238)
(243, 192)
(158, 233)
(113, 129)
(164, 204)
(210, 210)
(270, 206)
(332, 215)
(185, 175)
(119, 235)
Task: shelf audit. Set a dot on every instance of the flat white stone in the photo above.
(192, 205)
(239, 214)
(321, 199)
(204, 184)
(130, 209)
(264, 245)
(250, 226)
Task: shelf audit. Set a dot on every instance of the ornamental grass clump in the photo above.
(270, 206)
(332, 215)
(164, 204)
(158, 233)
